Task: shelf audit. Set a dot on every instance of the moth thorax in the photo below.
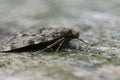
(72, 34)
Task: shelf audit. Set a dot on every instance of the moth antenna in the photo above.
(83, 41)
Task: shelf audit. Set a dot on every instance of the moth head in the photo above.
(70, 33)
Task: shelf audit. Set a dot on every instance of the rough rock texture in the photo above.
(97, 21)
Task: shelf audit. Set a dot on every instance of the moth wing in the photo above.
(27, 39)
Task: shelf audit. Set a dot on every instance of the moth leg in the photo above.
(51, 49)
(53, 44)
(59, 45)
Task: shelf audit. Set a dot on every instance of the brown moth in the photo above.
(40, 39)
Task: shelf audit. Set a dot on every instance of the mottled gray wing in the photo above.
(32, 37)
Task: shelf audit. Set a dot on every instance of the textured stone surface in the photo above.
(98, 22)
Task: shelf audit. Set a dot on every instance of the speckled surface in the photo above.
(98, 23)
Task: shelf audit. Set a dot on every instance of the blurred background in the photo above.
(29, 13)
(98, 22)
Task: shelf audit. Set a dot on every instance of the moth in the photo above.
(40, 39)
